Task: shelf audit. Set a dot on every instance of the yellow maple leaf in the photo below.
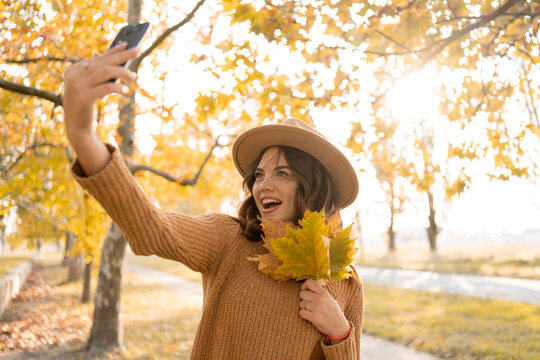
(268, 263)
(317, 249)
(304, 252)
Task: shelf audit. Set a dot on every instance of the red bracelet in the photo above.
(343, 337)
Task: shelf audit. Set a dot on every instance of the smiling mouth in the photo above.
(269, 204)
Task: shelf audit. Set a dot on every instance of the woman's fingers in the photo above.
(319, 307)
(106, 88)
(312, 285)
(106, 73)
(97, 63)
(308, 295)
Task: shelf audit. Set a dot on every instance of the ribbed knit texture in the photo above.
(246, 314)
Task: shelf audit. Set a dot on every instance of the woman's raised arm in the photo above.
(85, 83)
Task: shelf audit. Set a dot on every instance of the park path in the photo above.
(487, 287)
(372, 348)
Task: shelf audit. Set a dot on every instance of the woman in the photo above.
(287, 169)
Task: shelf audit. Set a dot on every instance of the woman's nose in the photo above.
(267, 183)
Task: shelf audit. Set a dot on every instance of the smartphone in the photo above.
(130, 34)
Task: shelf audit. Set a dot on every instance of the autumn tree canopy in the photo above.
(264, 61)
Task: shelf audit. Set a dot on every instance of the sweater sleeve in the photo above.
(196, 241)
(349, 349)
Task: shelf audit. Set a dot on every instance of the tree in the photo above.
(439, 176)
(386, 153)
(34, 21)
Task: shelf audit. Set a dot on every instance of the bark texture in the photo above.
(107, 330)
(87, 281)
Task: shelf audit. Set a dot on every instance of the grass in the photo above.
(453, 326)
(8, 262)
(173, 267)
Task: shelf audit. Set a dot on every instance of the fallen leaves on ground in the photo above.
(39, 317)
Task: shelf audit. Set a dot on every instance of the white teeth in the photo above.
(267, 201)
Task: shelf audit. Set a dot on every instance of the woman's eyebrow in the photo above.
(282, 167)
(276, 168)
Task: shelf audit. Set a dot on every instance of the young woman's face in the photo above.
(275, 187)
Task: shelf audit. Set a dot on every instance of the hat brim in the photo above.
(249, 145)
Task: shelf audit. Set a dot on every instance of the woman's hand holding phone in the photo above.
(85, 83)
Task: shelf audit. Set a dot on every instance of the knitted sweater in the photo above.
(246, 314)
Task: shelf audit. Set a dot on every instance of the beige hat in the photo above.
(296, 133)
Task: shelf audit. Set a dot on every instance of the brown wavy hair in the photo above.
(315, 191)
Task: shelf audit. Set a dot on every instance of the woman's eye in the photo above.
(259, 176)
(282, 174)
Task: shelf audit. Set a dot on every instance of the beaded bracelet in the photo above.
(343, 337)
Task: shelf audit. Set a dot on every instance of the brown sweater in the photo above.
(246, 314)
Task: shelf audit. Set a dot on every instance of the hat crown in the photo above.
(300, 124)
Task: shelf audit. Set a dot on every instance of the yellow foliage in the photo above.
(316, 249)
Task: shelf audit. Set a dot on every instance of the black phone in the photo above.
(130, 34)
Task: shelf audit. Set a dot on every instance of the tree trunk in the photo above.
(433, 229)
(68, 248)
(107, 331)
(390, 231)
(76, 268)
(360, 240)
(3, 240)
(86, 285)
(391, 238)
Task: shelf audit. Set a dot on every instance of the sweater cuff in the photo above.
(77, 170)
(345, 350)
(114, 174)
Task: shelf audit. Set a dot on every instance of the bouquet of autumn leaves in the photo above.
(316, 249)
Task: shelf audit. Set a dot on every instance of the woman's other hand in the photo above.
(322, 310)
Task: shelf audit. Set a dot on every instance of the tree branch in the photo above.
(134, 65)
(442, 44)
(394, 41)
(27, 90)
(183, 182)
(460, 33)
(43, 58)
(533, 113)
(517, 14)
(31, 206)
(23, 154)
